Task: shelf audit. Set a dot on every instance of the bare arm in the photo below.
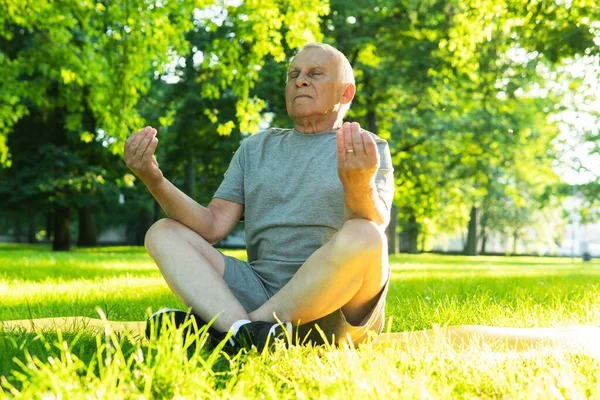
(366, 204)
(357, 169)
(213, 223)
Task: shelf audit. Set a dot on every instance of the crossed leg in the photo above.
(348, 272)
(194, 271)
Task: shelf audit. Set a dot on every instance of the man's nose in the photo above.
(302, 80)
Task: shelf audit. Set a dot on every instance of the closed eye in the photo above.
(295, 74)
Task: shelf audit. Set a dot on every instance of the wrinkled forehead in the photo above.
(312, 58)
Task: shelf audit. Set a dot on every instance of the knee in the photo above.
(160, 232)
(359, 236)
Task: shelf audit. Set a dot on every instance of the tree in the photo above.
(55, 171)
(448, 93)
(215, 101)
(68, 57)
(85, 65)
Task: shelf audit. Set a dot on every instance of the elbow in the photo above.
(211, 234)
(215, 232)
(214, 238)
(385, 222)
(382, 221)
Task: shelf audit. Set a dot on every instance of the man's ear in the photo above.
(348, 94)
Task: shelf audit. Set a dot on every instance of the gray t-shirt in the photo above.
(293, 198)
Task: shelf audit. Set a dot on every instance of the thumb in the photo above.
(340, 147)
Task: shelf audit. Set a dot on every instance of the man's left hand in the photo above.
(358, 159)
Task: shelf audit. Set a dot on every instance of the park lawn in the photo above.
(426, 291)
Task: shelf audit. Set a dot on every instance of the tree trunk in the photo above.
(18, 228)
(483, 228)
(144, 222)
(471, 247)
(372, 120)
(87, 228)
(367, 92)
(190, 178)
(31, 229)
(412, 236)
(483, 239)
(515, 240)
(483, 223)
(62, 229)
(392, 231)
(156, 211)
(423, 240)
(49, 226)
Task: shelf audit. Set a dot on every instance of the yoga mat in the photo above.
(578, 338)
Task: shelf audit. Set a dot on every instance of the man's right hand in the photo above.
(139, 156)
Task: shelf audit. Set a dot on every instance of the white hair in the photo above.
(346, 74)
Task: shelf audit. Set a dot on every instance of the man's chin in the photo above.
(303, 113)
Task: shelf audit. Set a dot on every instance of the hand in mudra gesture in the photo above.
(358, 159)
(139, 155)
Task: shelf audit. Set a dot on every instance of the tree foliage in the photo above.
(461, 89)
(77, 80)
(466, 92)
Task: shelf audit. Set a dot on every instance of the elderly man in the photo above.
(315, 200)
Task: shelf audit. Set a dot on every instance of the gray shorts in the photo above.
(247, 286)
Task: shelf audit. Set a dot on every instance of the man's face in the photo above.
(313, 86)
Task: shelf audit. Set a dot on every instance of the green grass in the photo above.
(426, 290)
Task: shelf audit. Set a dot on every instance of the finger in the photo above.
(357, 141)
(339, 144)
(129, 149)
(132, 149)
(370, 145)
(129, 140)
(143, 147)
(137, 138)
(348, 138)
(151, 149)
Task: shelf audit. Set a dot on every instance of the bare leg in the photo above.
(194, 271)
(348, 272)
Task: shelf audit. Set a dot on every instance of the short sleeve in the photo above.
(232, 187)
(384, 179)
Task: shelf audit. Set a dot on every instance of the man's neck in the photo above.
(313, 125)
